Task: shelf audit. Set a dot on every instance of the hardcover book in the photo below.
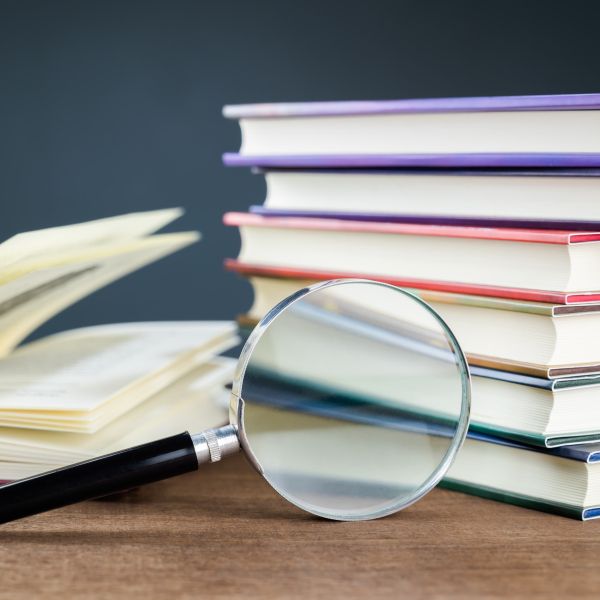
(517, 131)
(561, 481)
(452, 287)
(536, 199)
(564, 261)
(491, 330)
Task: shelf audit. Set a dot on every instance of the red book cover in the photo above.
(540, 236)
(548, 296)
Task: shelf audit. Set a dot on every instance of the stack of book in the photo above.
(86, 392)
(489, 210)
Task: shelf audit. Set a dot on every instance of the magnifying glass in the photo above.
(351, 398)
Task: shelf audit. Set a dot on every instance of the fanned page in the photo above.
(39, 243)
(42, 272)
(46, 384)
(50, 259)
(29, 300)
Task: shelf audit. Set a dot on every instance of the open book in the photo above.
(80, 393)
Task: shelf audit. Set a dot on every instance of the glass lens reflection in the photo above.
(352, 398)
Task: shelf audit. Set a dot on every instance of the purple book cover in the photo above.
(375, 161)
(428, 105)
(470, 172)
(433, 220)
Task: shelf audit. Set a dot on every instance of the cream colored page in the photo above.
(31, 280)
(82, 369)
(51, 259)
(192, 403)
(11, 471)
(129, 226)
(36, 297)
(127, 398)
(18, 290)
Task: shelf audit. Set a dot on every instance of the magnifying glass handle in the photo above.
(113, 473)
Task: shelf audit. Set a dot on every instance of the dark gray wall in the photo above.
(108, 107)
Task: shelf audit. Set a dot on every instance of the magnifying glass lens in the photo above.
(354, 400)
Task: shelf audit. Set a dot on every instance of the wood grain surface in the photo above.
(222, 532)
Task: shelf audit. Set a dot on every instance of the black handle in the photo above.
(98, 477)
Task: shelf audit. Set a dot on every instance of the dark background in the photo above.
(113, 106)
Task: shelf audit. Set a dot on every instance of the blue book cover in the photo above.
(546, 441)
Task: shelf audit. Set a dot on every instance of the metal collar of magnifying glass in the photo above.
(214, 444)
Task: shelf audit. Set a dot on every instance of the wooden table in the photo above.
(224, 533)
